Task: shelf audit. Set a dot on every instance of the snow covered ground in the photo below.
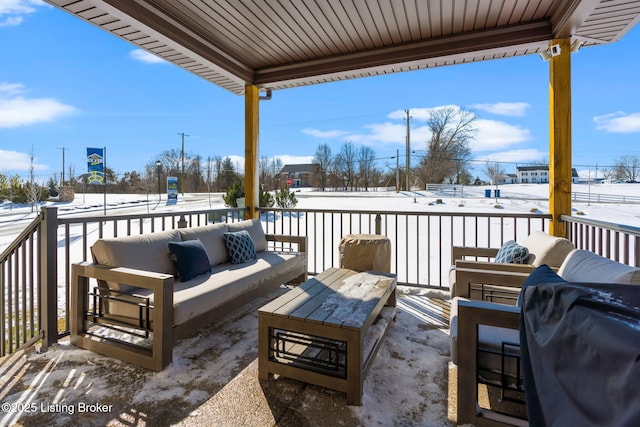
(514, 198)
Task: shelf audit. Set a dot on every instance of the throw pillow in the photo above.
(542, 274)
(240, 247)
(513, 253)
(190, 258)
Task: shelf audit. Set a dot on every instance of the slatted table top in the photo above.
(337, 297)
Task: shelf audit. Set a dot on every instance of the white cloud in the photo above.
(421, 114)
(618, 122)
(11, 88)
(19, 111)
(12, 160)
(516, 109)
(324, 134)
(144, 56)
(12, 11)
(515, 156)
(11, 21)
(493, 134)
(294, 160)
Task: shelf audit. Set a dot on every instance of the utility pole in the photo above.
(397, 170)
(182, 177)
(408, 119)
(62, 177)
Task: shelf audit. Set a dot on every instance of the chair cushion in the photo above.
(542, 274)
(586, 266)
(511, 252)
(546, 249)
(254, 228)
(211, 238)
(190, 258)
(147, 252)
(240, 246)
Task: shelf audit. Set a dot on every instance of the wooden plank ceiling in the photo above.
(278, 44)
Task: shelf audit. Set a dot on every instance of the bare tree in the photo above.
(448, 148)
(34, 191)
(494, 171)
(346, 164)
(270, 172)
(323, 160)
(627, 168)
(366, 165)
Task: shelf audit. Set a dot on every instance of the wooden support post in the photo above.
(560, 136)
(251, 151)
(49, 276)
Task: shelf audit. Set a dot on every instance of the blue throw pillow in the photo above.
(512, 253)
(542, 274)
(240, 247)
(190, 258)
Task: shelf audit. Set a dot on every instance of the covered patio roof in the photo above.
(278, 44)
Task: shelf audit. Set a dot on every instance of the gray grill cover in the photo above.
(581, 354)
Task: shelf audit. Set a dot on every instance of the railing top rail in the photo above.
(635, 231)
(75, 219)
(423, 213)
(29, 229)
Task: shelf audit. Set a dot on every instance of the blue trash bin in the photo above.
(487, 193)
(497, 193)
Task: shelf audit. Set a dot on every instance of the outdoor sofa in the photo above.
(468, 272)
(164, 286)
(485, 336)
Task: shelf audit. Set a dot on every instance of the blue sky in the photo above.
(66, 84)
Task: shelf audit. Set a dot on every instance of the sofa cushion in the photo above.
(254, 227)
(211, 238)
(546, 249)
(511, 252)
(222, 286)
(149, 252)
(190, 258)
(240, 247)
(586, 266)
(542, 274)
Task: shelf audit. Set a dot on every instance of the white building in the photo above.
(539, 174)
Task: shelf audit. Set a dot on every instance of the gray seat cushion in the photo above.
(586, 266)
(149, 252)
(211, 238)
(225, 283)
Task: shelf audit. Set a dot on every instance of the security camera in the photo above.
(555, 50)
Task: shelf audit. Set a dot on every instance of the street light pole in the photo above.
(182, 177)
(158, 165)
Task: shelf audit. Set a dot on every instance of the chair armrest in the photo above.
(160, 354)
(465, 277)
(131, 276)
(301, 241)
(460, 252)
(471, 314)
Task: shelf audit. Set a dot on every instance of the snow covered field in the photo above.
(514, 198)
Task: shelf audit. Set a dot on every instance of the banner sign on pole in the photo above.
(95, 166)
(172, 189)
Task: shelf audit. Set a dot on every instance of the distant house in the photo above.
(510, 178)
(298, 175)
(539, 174)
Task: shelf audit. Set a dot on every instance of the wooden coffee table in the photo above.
(321, 332)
